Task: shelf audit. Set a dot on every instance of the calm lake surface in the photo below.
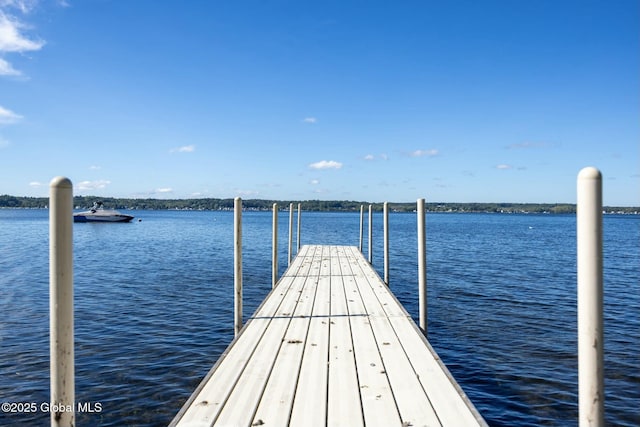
(154, 301)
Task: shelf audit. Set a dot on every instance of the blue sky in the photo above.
(459, 101)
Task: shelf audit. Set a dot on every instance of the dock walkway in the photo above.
(329, 346)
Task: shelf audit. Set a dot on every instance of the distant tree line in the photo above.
(82, 202)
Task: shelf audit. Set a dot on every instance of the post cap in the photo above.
(589, 173)
(61, 182)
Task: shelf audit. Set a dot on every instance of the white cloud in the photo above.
(35, 184)
(504, 167)
(164, 190)
(7, 69)
(8, 117)
(184, 149)
(371, 157)
(314, 182)
(93, 185)
(12, 34)
(25, 6)
(311, 120)
(94, 167)
(420, 153)
(326, 164)
(11, 37)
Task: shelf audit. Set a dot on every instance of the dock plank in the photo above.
(277, 400)
(246, 395)
(313, 377)
(329, 346)
(343, 405)
(378, 402)
(210, 397)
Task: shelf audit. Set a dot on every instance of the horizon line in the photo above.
(321, 200)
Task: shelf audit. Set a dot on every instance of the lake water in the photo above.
(153, 307)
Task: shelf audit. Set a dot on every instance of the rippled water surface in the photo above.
(153, 307)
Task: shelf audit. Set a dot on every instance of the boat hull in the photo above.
(101, 218)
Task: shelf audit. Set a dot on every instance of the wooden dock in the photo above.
(329, 346)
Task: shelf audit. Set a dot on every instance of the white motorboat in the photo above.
(99, 214)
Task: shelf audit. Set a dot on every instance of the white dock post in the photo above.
(61, 301)
(361, 227)
(386, 242)
(298, 234)
(290, 233)
(274, 247)
(370, 235)
(422, 267)
(590, 298)
(237, 261)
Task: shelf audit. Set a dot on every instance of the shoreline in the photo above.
(212, 204)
